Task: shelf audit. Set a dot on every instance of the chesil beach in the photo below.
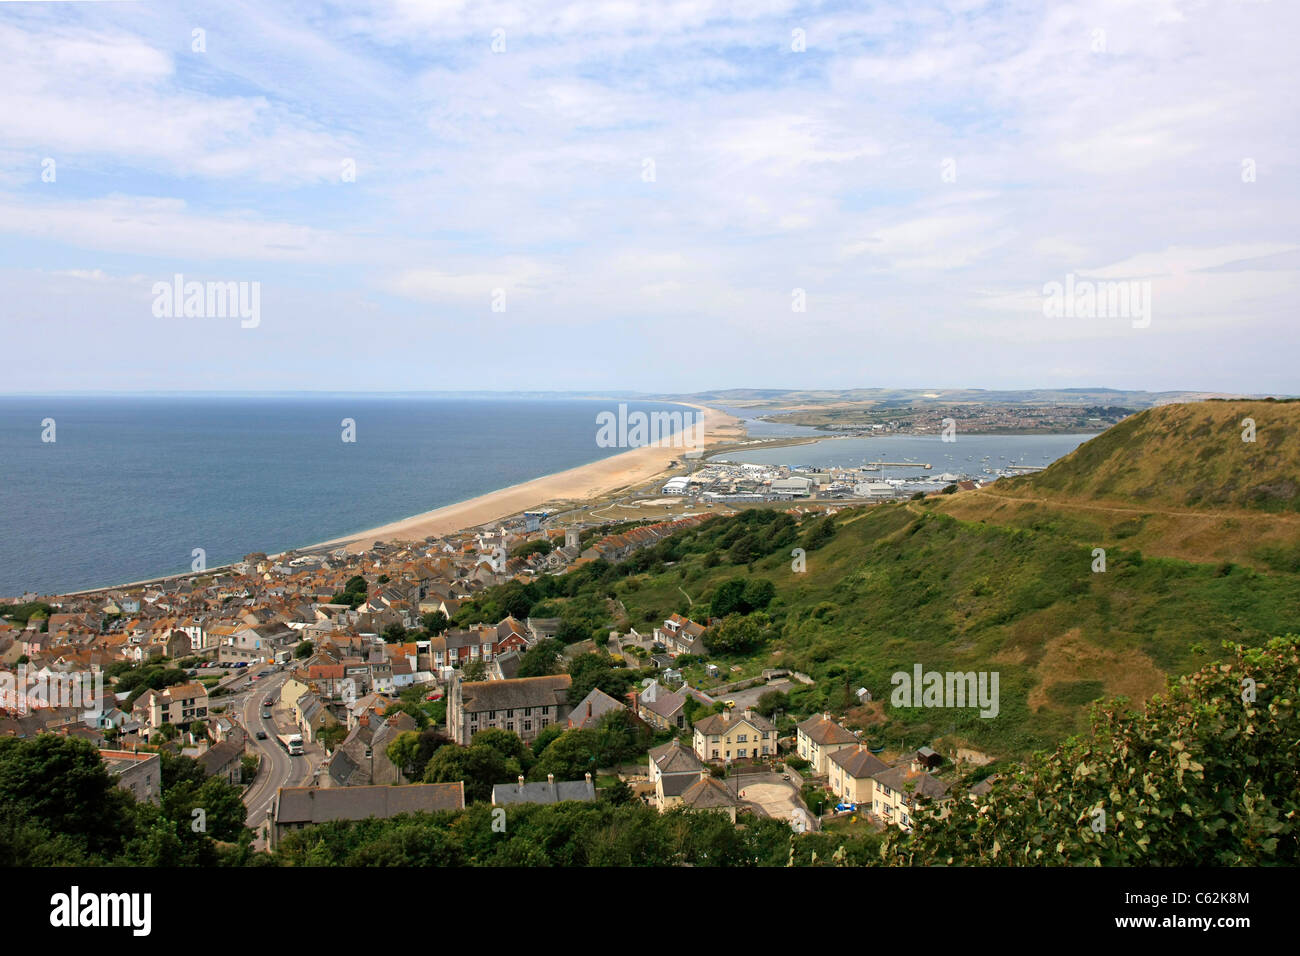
(582, 483)
(136, 488)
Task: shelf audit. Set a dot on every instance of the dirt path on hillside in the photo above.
(1116, 509)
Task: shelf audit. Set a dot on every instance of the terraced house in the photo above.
(523, 705)
(850, 774)
(723, 737)
(900, 792)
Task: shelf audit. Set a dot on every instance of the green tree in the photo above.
(737, 634)
(820, 533)
(1203, 776)
(769, 702)
(758, 594)
(61, 785)
(543, 658)
(592, 670)
(435, 622)
(403, 752)
(505, 742)
(539, 546)
(728, 598)
(544, 738)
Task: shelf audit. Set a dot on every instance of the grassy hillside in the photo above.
(991, 581)
(1175, 481)
(1185, 456)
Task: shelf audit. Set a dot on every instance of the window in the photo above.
(741, 752)
(742, 738)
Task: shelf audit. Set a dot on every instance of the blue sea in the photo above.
(132, 485)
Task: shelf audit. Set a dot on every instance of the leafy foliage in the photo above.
(1201, 777)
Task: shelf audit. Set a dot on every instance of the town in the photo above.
(312, 681)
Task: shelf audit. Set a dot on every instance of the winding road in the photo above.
(278, 769)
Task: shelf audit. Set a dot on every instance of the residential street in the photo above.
(278, 768)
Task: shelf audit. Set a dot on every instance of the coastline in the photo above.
(578, 484)
(582, 483)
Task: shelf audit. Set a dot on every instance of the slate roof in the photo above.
(673, 758)
(214, 759)
(821, 731)
(479, 696)
(591, 708)
(720, 724)
(923, 785)
(543, 792)
(858, 762)
(708, 793)
(303, 805)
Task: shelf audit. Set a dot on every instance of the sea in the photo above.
(130, 486)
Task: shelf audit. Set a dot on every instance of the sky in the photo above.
(664, 197)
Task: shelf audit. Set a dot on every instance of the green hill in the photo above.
(988, 581)
(1185, 456)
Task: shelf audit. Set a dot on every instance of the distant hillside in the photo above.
(1184, 456)
(777, 398)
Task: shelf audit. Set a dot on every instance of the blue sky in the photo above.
(1099, 138)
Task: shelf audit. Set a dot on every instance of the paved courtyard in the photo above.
(772, 796)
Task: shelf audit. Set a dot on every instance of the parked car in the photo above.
(261, 735)
(845, 807)
(242, 664)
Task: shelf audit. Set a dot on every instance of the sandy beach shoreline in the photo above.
(581, 483)
(585, 482)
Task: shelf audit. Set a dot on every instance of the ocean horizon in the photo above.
(132, 484)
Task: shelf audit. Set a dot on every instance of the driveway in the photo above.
(750, 696)
(770, 796)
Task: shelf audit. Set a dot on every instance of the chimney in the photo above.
(589, 710)
(521, 782)
(550, 782)
(826, 715)
(588, 776)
